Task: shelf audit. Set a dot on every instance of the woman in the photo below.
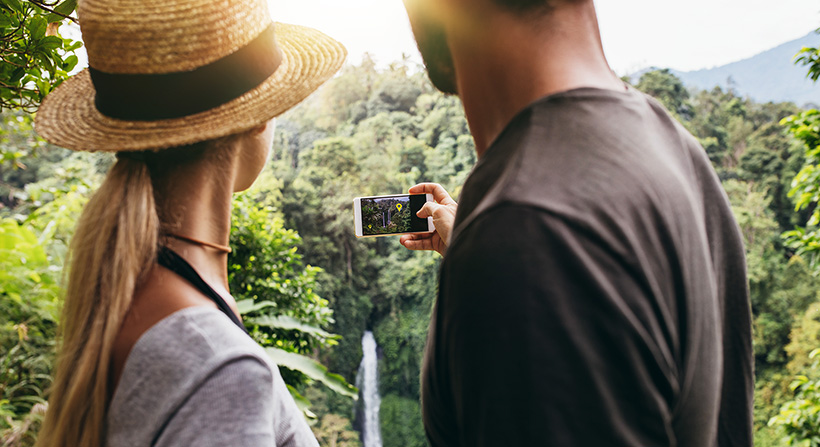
(153, 351)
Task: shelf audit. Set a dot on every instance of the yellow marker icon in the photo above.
(398, 205)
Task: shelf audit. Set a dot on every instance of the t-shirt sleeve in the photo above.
(544, 336)
(233, 406)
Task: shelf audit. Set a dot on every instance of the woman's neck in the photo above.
(197, 204)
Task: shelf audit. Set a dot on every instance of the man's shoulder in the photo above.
(591, 155)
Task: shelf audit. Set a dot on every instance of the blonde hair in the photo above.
(114, 244)
(113, 247)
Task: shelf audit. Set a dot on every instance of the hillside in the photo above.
(768, 76)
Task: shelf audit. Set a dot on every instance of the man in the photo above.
(593, 292)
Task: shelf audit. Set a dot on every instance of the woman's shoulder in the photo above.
(191, 340)
(192, 336)
(172, 359)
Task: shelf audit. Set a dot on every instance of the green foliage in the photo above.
(779, 293)
(793, 290)
(34, 173)
(805, 128)
(771, 392)
(401, 424)
(336, 431)
(401, 338)
(276, 293)
(33, 57)
(810, 57)
(313, 370)
(266, 268)
(28, 320)
(800, 396)
(805, 338)
(666, 88)
(332, 425)
(750, 206)
(16, 144)
(779, 290)
(800, 417)
(33, 244)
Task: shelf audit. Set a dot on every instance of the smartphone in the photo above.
(389, 215)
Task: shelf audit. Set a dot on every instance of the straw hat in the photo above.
(167, 73)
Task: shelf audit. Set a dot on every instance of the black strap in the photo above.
(175, 263)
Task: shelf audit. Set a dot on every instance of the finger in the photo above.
(413, 237)
(417, 242)
(439, 193)
(428, 210)
(421, 188)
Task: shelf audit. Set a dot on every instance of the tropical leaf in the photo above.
(314, 370)
(248, 306)
(21, 244)
(302, 402)
(288, 323)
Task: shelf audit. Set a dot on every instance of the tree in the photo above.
(805, 127)
(810, 56)
(799, 417)
(276, 293)
(335, 431)
(668, 89)
(401, 420)
(29, 303)
(34, 58)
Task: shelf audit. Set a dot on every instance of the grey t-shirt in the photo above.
(594, 292)
(194, 378)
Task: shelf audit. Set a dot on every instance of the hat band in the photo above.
(151, 97)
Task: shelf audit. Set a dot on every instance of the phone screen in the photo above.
(393, 214)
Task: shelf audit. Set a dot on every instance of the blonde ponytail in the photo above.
(113, 247)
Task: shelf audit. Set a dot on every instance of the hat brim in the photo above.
(68, 117)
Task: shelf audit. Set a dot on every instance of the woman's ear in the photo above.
(260, 128)
(267, 126)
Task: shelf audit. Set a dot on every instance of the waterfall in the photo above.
(368, 382)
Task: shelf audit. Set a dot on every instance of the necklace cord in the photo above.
(222, 248)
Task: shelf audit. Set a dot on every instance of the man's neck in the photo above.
(513, 62)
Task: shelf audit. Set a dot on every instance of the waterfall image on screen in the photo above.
(386, 215)
(392, 215)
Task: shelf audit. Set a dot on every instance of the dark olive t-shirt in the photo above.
(594, 293)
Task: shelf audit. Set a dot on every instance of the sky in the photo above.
(684, 35)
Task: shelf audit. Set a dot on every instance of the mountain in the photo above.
(768, 76)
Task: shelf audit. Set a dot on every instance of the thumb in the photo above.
(428, 209)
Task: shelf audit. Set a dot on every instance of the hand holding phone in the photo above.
(391, 215)
(442, 211)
